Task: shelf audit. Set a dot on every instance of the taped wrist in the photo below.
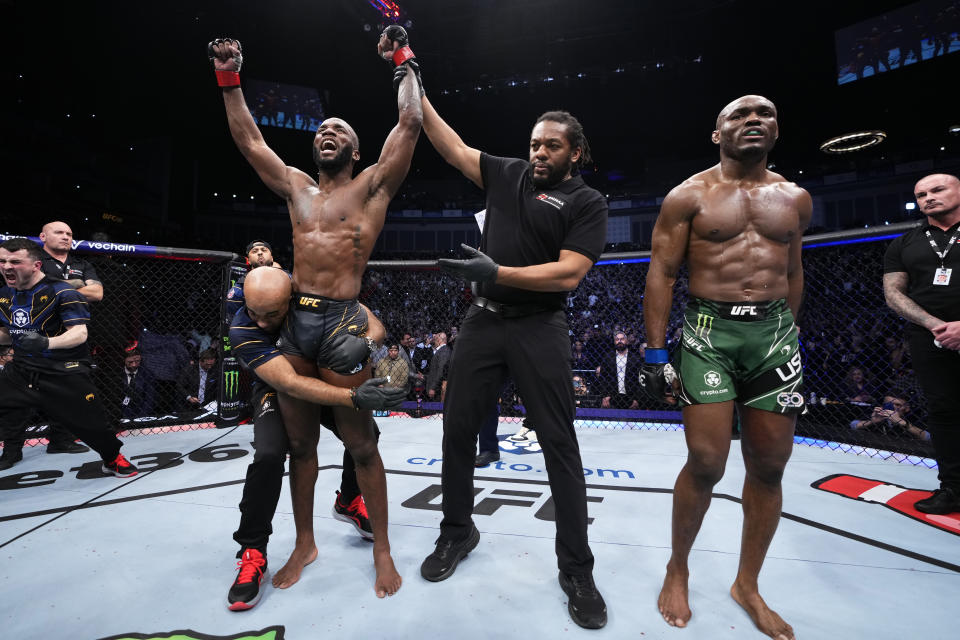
(227, 78)
(656, 356)
(402, 54)
(353, 398)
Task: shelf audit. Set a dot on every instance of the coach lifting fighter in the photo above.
(253, 333)
(739, 228)
(336, 220)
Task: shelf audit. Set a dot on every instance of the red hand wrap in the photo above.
(227, 78)
(401, 55)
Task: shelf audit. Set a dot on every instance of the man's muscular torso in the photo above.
(738, 248)
(333, 236)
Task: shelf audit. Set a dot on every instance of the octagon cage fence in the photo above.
(168, 305)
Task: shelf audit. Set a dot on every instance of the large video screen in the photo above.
(286, 106)
(905, 36)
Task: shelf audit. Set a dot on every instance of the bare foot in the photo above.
(673, 601)
(765, 618)
(289, 574)
(388, 580)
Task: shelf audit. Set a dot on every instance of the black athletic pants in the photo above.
(535, 351)
(938, 371)
(71, 400)
(261, 489)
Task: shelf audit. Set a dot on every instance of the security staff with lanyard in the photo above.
(921, 282)
(543, 230)
(46, 321)
(254, 332)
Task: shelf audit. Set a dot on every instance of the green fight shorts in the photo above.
(746, 352)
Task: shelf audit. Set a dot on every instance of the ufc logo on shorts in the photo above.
(743, 310)
(309, 302)
(794, 367)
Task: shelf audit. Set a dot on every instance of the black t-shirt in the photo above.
(49, 308)
(526, 226)
(73, 268)
(912, 254)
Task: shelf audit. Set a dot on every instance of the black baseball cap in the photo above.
(255, 243)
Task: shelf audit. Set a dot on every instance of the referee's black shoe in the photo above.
(10, 458)
(67, 446)
(441, 564)
(942, 502)
(586, 605)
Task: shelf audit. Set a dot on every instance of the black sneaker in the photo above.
(245, 592)
(441, 564)
(355, 513)
(586, 605)
(120, 467)
(69, 446)
(485, 458)
(942, 502)
(9, 458)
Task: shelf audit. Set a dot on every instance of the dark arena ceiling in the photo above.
(646, 79)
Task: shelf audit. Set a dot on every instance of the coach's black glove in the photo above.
(33, 342)
(477, 268)
(346, 352)
(653, 376)
(370, 395)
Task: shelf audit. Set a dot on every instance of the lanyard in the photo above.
(936, 249)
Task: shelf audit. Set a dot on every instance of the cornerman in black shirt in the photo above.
(919, 283)
(46, 320)
(60, 263)
(543, 230)
(254, 332)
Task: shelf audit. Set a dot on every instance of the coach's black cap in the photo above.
(255, 243)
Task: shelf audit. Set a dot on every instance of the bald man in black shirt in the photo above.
(921, 282)
(543, 230)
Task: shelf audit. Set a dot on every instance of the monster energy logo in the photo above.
(704, 325)
(231, 384)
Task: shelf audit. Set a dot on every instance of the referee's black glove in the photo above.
(33, 342)
(479, 267)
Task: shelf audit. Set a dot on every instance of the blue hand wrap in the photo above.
(656, 356)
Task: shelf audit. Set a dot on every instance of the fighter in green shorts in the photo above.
(743, 352)
(738, 227)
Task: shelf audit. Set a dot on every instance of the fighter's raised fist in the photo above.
(226, 54)
(392, 38)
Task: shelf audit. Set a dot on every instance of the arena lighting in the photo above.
(853, 141)
(955, 129)
(910, 206)
(386, 8)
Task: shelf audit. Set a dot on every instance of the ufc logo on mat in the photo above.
(742, 310)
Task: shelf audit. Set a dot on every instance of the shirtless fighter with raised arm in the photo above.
(336, 220)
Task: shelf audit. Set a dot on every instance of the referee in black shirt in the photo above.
(921, 282)
(543, 230)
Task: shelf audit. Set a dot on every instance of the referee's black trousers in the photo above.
(938, 371)
(535, 351)
(71, 400)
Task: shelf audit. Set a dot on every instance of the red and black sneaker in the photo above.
(120, 467)
(355, 513)
(245, 592)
